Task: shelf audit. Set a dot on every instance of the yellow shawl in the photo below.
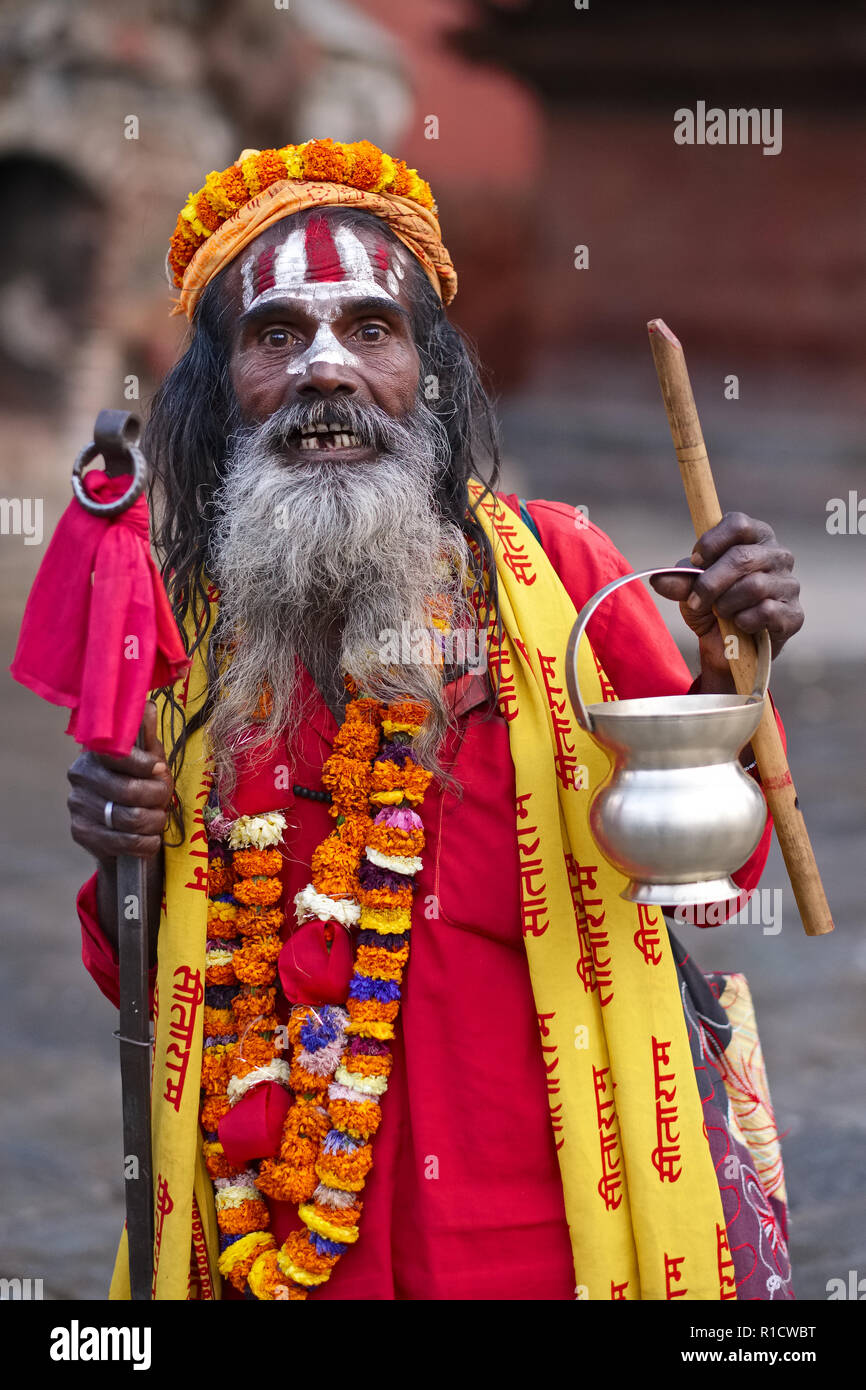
(641, 1195)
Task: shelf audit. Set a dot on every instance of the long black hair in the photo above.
(194, 414)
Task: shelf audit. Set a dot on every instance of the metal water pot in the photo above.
(676, 813)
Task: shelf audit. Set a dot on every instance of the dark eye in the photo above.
(277, 337)
(372, 333)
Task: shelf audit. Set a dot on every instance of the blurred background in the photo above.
(543, 128)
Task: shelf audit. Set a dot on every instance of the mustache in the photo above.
(372, 425)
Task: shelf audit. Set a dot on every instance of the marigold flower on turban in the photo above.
(263, 186)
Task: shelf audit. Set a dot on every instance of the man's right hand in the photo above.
(141, 788)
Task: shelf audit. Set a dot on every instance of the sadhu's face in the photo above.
(321, 312)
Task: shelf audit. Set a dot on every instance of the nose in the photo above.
(326, 379)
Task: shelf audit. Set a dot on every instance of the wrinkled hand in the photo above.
(747, 579)
(141, 788)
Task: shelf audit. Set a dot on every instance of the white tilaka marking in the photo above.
(323, 298)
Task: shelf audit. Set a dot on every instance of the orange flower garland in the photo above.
(340, 1061)
(358, 165)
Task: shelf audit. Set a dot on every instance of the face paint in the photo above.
(324, 270)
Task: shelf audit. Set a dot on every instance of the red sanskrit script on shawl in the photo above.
(593, 967)
(499, 661)
(164, 1205)
(666, 1157)
(199, 837)
(569, 771)
(550, 1051)
(533, 890)
(673, 1275)
(187, 995)
(646, 938)
(727, 1276)
(611, 1174)
(513, 553)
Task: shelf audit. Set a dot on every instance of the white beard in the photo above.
(317, 562)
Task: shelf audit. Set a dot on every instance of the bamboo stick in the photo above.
(769, 753)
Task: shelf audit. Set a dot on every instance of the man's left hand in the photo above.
(747, 579)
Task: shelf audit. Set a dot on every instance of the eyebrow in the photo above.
(372, 304)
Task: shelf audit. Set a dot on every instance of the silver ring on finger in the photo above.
(109, 807)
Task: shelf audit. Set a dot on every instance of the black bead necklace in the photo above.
(310, 794)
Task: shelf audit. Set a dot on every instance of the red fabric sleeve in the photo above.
(99, 957)
(639, 655)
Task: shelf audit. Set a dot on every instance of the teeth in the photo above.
(340, 439)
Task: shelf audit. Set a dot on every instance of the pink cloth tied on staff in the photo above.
(76, 644)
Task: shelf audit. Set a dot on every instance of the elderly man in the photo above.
(572, 1109)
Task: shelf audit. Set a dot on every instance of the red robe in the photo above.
(464, 1200)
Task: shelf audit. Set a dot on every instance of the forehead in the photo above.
(321, 261)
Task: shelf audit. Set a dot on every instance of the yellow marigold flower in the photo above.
(365, 1028)
(386, 174)
(388, 921)
(400, 726)
(221, 912)
(217, 192)
(237, 1259)
(300, 1276)
(267, 1281)
(250, 171)
(293, 158)
(311, 1215)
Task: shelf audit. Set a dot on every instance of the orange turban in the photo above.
(263, 186)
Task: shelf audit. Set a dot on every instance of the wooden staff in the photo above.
(704, 506)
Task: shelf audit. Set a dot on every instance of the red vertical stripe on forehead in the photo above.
(323, 258)
(264, 271)
(380, 256)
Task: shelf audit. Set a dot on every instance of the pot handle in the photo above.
(584, 718)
